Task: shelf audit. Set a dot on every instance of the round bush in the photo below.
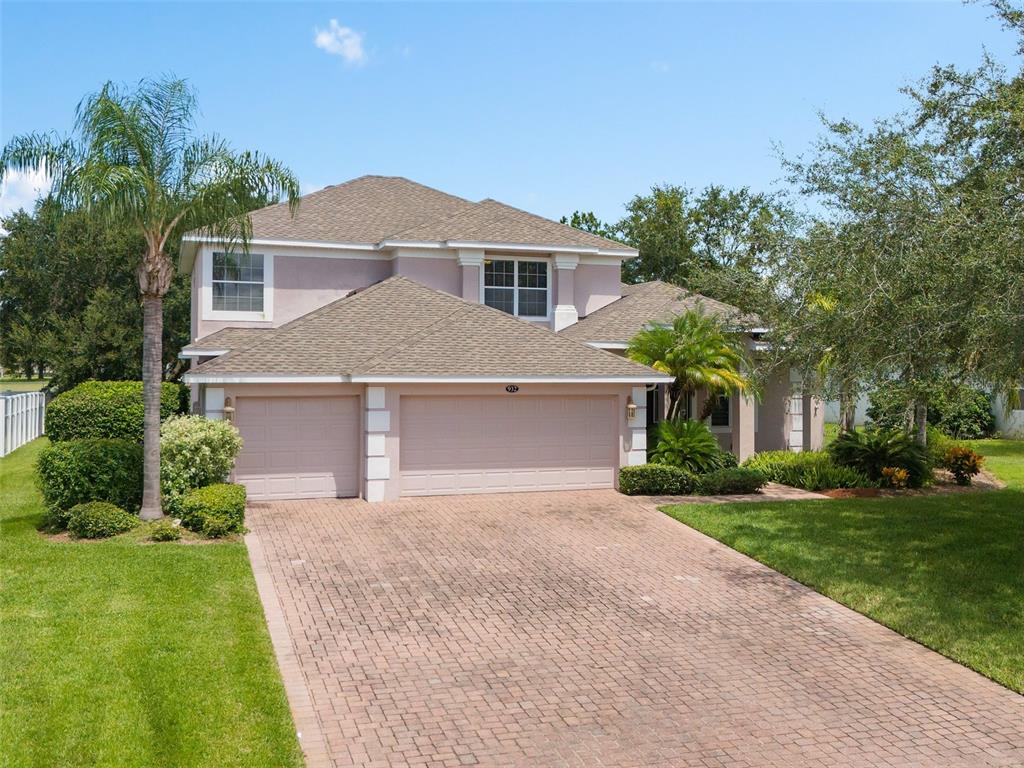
(98, 520)
(164, 530)
(107, 409)
(730, 481)
(194, 451)
(214, 510)
(655, 480)
(78, 471)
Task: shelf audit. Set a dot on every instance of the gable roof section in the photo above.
(645, 304)
(400, 330)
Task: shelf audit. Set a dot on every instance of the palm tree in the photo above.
(700, 352)
(133, 156)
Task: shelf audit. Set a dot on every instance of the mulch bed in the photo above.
(944, 484)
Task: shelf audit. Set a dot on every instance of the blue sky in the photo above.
(550, 107)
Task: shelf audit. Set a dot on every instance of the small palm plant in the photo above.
(700, 352)
(134, 158)
(688, 445)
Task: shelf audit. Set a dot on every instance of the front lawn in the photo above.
(117, 653)
(22, 385)
(947, 571)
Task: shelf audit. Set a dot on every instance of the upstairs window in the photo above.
(238, 282)
(519, 287)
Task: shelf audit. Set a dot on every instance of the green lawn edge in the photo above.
(118, 653)
(945, 571)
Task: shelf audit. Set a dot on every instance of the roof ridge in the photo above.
(375, 360)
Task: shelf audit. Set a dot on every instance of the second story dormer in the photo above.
(352, 235)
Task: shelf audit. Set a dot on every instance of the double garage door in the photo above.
(310, 446)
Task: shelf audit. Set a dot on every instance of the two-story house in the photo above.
(392, 340)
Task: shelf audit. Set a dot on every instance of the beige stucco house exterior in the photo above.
(392, 340)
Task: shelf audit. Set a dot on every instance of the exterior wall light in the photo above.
(229, 410)
(630, 408)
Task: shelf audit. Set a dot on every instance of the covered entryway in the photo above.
(298, 447)
(493, 444)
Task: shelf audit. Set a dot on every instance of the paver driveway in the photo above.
(587, 629)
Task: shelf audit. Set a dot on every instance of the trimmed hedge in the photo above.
(730, 481)
(108, 409)
(78, 471)
(99, 520)
(214, 510)
(656, 480)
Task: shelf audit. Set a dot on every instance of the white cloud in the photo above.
(341, 41)
(21, 189)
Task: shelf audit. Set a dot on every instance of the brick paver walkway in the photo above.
(587, 629)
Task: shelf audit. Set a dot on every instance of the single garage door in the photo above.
(298, 447)
(512, 443)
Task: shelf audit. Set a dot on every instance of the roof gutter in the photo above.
(245, 378)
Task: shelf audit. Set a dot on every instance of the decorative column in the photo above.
(471, 262)
(637, 428)
(378, 424)
(742, 425)
(565, 310)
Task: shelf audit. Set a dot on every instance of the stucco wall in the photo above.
(596, 285)
(439, 273)
(773, 421)
(1010, 425)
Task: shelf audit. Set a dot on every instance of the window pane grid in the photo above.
(238, 282)
(517, 287)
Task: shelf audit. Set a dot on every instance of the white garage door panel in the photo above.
(298, 447)
(495, 444)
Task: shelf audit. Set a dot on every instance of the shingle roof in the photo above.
(494, 222)
(229, 339)
(399, 328)
(644, 304)
(363, 210)
(373, 209)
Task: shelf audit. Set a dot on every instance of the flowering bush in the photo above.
(963, 463)
(194, 452)
(895, 477)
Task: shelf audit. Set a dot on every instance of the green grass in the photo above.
(23, 385)
(120, 654)
(947, 571)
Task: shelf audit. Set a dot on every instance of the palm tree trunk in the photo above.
(152, 378)
(921, 423)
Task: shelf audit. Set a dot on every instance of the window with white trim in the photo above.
(238, 282)
(720, 413)
(517, 286)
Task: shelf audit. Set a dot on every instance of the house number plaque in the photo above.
(512, 388)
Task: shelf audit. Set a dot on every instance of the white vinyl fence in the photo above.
(22, 418)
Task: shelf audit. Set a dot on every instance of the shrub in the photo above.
(895, 477)
(78, 471)
(963, 462)
(656, 480)
(107, 409)
(688, 445)
(164, 530)
(959, 411)
(194, 451)
(99, 519)
(729, 481)
(965, 414)
(214, 510)
(810, 470)
(870, 452)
